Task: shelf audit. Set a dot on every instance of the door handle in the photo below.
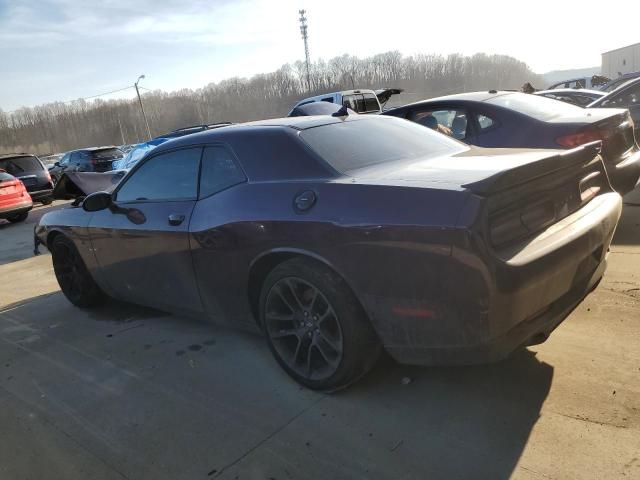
(175, 219)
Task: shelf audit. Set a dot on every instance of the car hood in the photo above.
(80, 184)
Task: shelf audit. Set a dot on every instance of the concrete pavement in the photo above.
(127, 392)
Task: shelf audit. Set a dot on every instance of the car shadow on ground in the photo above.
(628, 230)
(397, 422)
(465, 422)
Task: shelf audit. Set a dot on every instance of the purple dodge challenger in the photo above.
(338, 237)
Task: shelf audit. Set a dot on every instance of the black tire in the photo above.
(46, 201)
(73, 277)
(20, 217)
(315, 326)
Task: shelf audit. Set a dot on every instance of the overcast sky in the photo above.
(65, 49)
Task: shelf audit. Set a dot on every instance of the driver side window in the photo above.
(170, 176)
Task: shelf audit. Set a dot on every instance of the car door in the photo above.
(142, 242)
(216, 255)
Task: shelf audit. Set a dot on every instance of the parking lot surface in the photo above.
(126, 392)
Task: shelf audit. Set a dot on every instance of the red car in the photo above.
(15, 201)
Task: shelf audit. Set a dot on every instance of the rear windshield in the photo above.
(107, 154)
(361, 143)
(20, 165)
(535, 106)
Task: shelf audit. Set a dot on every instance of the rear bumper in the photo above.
(522, 297)
(23, 207)
(39, 195)
(624, 174)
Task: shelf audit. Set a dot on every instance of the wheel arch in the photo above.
(51, 236)
(267, 261)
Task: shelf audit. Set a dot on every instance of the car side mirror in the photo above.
(57, 164)
(97, 201)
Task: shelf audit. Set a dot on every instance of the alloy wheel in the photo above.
(304, 328)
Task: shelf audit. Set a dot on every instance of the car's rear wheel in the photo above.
(20, 217)
(73, 277)
(315, 326)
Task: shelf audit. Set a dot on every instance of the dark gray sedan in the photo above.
(502, 119)
(341, 236)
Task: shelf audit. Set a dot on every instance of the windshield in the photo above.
(536, 106)
(20, 165)
(355, 144)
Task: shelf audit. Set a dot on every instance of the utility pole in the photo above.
(121, 132)
(303, 31)
(142, 107)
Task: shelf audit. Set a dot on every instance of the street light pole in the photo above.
(141, 106)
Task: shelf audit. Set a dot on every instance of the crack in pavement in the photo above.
(588, 420)
(270, 436)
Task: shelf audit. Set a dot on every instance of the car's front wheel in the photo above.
(73, 277)
(315, 326)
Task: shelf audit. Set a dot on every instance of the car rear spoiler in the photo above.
(74, 185)
(555, 162)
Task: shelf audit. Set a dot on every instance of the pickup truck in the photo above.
(360, 101)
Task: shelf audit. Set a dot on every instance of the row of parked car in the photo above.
(449, 231)
(27, 179)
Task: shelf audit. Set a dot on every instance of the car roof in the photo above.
(93, 149)
(572, 90)
(466, 97)
(15, 155)
(286, 123)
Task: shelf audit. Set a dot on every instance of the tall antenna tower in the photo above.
(303, 31)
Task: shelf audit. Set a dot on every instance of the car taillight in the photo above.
(585, 136)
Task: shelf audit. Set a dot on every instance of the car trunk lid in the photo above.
(524, 200)
(526, 190)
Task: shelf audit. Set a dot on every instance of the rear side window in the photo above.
(17, 166)
(168, 176)
(484, 122)
(374, 140)
(536, 106)
(219, 171)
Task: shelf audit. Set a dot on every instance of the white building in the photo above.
(621, 60)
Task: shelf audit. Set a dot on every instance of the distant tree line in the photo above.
(57, 127)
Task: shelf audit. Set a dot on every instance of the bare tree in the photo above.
(57, 126)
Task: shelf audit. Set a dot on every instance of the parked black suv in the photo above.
(31, 171)
(96, 159)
